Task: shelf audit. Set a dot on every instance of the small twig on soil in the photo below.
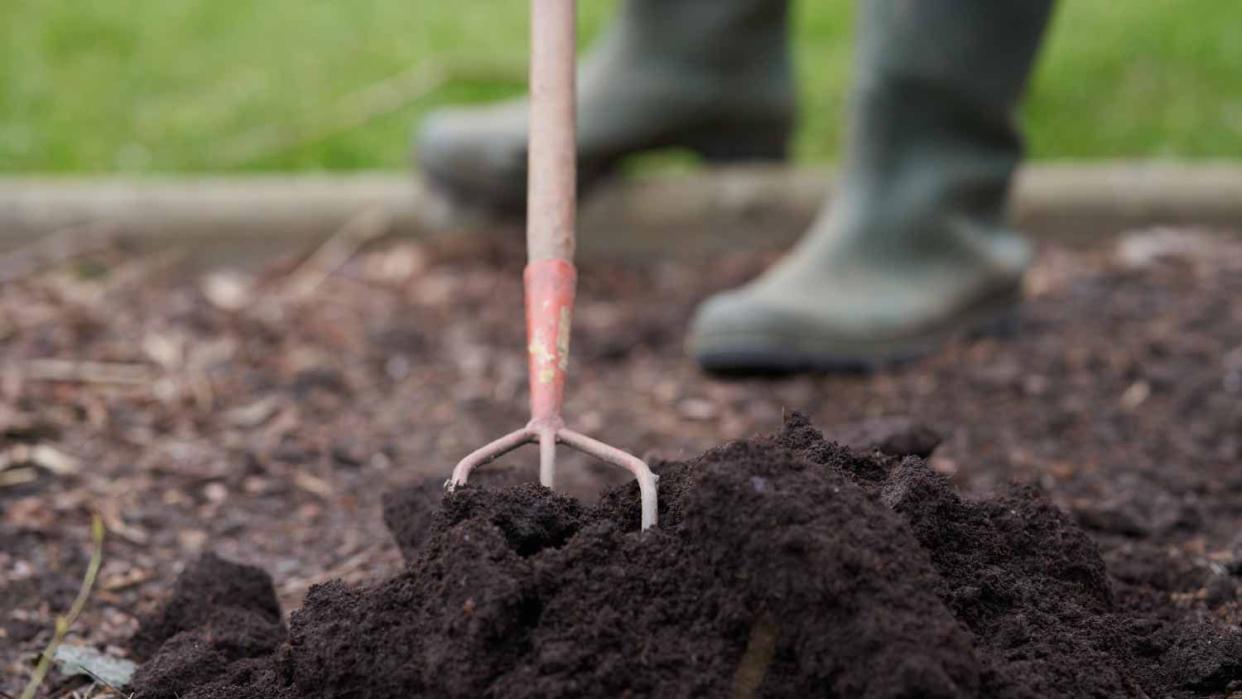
(358, 109)
(46, 457)
(96, 690)
(55, 249)
(18, 476)
(75, 371)
(110, 513)
(314, 485)
(17, 463)
(63, 623)
(365, 226)
(757, 659)
(125, 581)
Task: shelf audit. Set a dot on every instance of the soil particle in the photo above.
(784, 566)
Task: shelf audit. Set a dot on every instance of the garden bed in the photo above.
(263, 418)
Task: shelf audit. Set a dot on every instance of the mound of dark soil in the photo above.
(785, 566)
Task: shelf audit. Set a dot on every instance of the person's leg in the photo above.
(710, 75)
(914, 249)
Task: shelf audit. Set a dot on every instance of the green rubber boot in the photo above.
(713, 76)
(914, 249)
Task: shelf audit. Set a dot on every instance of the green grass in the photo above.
(184, 85)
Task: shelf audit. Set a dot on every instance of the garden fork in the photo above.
(550, 276)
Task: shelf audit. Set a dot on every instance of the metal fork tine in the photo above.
(488, 453)
(610, 454)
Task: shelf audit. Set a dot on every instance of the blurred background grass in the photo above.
(193, 85)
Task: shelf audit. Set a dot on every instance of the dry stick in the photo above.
(43, 455)
(64, 622)
(18, 476)
(358, 109)
(71, 370)
(55, 249)
(366, 226)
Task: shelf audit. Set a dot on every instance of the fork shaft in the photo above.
(550, 275)
(552, 163)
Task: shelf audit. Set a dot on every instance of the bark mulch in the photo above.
(263, 417)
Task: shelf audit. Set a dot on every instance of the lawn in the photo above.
(195, 85)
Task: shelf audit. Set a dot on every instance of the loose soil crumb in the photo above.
(784, 566)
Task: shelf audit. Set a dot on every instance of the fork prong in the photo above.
(610, 454)
(547, 458)
(547, 439)
(488, 453)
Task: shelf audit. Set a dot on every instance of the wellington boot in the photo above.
(914, 250)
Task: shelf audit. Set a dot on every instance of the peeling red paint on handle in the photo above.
(550, 286)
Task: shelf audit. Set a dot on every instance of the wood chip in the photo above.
(314, 485)
(125, 580)
(72, 370)
(228, 290)
(54, 460)
(253, 414)
(110, 513)
(18, 476)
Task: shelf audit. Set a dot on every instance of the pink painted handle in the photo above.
(550, 286)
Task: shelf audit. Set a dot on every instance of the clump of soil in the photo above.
(220, 615)
(784, 566)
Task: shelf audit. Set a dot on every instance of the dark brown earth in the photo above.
(784, 566)
(266, 425)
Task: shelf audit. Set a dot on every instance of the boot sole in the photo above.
(749, 355)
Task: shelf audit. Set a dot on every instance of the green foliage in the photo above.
(170, 85)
